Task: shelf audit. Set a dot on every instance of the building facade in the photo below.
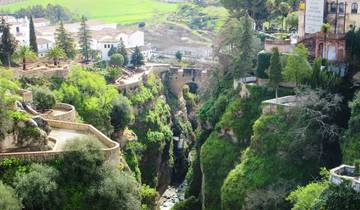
(341, 15)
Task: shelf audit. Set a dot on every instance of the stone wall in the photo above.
(284, 46)
(112, 151)
(272, 105)
(43, 72)
(26, 95)
(62, 112)
(339, 174)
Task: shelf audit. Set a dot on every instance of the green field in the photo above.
(118, 11)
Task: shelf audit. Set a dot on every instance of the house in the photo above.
(41, 22)
(19, 28)
(340, 14)
(104, 40)
(44, 45)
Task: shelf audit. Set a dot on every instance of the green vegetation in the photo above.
(137, 58)
(65, 41)
(218, 157)
(84, 35)
(116, 60)
(91, 96)
(33, 43)
(8, 198)
(43, 98)
(122, 11)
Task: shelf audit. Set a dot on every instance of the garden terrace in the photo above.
(345, 172)
(62, 132)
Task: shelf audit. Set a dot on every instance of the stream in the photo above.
(171, 196)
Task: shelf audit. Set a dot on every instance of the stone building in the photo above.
(340, 14)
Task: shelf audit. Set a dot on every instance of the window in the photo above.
(354, 8)
(341, 8)
(108, 46)
(105, 46)
(333, 7)
(17, 30)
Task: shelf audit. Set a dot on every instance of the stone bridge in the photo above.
(177, 77)
(197, 79)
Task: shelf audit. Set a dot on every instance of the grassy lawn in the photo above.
(118, 11)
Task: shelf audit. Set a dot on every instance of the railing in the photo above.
(337, 176)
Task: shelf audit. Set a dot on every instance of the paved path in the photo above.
(64, 135)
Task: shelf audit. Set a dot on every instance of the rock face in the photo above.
(29, 135)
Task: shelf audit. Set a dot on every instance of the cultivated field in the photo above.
(119, 11)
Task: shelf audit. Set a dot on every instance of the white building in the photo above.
(19, 28)
(108, 38)
(44, 45)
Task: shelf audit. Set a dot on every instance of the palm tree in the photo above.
(325, 29)
(55, 54)
(25, 54)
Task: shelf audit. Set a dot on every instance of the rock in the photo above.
(42, 124)
(31, 123)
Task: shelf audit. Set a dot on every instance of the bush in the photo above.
(8, 198)
(148, 198)
(191, 203)
(116, 60)
(43, 98)
(38, 187)
(121, 114)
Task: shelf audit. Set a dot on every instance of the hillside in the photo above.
(120, 11)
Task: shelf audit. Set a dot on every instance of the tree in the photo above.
(297, 69)
(87, 151)
(256, 9)
(122, 50)
(243, 61)
(137, 58)
(325, 29)
(8, 198)
(43, 98)
(65, 41)
(275, 70)
(25, 53)
(121, 114)
(38, 187)
(85, 40)
(178, 56)
(116, 190)
(55, 54)
(8, 43)
(116, 60)
(284, 8)
(33, 43)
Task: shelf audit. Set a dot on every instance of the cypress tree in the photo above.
(33, 43)
(8, 43)
(85, 40)
(137, 58)
(65, 41)
(123, 52)
(275, 69)
(243, 62)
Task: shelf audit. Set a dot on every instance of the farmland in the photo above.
(118, 11)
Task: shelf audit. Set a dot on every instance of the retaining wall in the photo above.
(112, 152)
(68, 114)
(42, 72)
(337, 178)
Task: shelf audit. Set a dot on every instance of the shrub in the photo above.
(43, 98)
(8, 198)
(148, 197)
(38, 187)
(121, 114)
(116, 60)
